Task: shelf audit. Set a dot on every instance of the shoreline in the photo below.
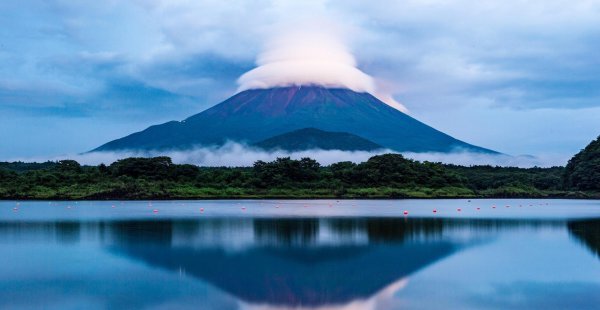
(591, 196)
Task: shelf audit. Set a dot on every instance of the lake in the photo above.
(301, 254)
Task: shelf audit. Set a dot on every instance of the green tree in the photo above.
(583, 170)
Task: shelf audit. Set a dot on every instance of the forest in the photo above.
(382, 176)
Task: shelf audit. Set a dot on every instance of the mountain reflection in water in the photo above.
(307, 262)
(293, 262)
(588, 232)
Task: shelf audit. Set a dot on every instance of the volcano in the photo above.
(256, 115)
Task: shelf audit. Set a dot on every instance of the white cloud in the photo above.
(238, 155)
(434, 56)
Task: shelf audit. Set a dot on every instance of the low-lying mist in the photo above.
(237, 155)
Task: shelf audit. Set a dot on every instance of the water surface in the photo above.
(313, 254)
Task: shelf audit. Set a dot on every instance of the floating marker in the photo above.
(478, 208)
(405, 212)
(15, 209)
(201, 209)
(113, 206)
(244, 208)
(459, 209)
(434, 211)
(493, 207)
(155, 210)
(508, 206)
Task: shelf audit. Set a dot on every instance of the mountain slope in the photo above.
(254, 115)
(583, 170)
(312, 138)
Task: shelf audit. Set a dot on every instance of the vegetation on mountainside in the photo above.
(583, 170)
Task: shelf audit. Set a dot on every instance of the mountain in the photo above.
(312, 138)
(258, 114)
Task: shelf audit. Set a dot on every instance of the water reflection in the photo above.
(296, 262)
(588, 232)
(306, 262)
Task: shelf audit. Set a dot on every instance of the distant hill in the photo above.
(583, 170)
(312, 138)
(254, 115)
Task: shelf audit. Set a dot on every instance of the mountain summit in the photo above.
(256, 115)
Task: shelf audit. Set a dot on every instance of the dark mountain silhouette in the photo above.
(258, 114)
(583, 170)
(312, 138)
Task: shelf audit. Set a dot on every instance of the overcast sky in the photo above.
(519, 77)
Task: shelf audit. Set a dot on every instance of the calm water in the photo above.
(315, 254)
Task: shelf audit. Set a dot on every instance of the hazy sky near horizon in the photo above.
(519, 77)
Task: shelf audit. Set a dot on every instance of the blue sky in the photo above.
(520, 77)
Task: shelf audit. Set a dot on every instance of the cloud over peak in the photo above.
(311, 54)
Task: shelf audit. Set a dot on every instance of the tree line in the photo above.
(381, 176)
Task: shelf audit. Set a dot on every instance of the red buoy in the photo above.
(405, 212)
(201, 209)
(478, 208)
(155, 210)
(459, 209)
(434, 211)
